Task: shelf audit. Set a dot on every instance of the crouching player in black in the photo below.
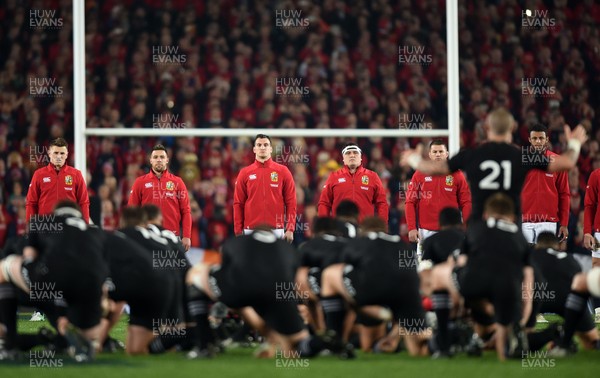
(160, 317)
(258, 271)
(378, 274)
(64, 269)
(317, 254)
(492, 269)
(554, 273)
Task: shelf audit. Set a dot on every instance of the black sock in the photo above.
(8, 313)
(156, 346)
(537, 340)
(310, 346)
(198, 304)
(574, 310)
(334, 310)
(441, 306)
(28, 341)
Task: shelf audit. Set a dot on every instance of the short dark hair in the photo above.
(151, 210)
(538, 127)
(373, 224)
(347, 209)
(158, 147)
(547, 240)
(261, 136)
(501, 204)
(66, 203)
(59, 142)
(437, 142)
(132, 216)
(449, 216)
(325, 225)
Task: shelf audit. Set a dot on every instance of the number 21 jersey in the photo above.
(497, 167)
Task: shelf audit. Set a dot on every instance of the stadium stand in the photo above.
(173, 64)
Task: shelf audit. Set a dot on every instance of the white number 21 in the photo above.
(489, 182)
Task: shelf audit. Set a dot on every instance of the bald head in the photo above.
(500, 122)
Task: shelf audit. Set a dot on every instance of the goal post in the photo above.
(82, 132)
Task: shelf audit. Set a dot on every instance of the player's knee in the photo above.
(579, 282)
(592, 281)
(10, 268)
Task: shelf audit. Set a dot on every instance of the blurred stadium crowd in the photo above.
(220, 64)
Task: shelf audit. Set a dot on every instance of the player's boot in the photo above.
(37, 317)
(517, 343)
(475, 347)
(337, 346)
(80, 348)
(198, 353)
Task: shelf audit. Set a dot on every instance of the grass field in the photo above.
(239, 362)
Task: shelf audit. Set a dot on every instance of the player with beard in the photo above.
(545, 196)
(167, 191)
(427, 195)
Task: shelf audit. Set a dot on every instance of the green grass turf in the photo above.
(239, 362)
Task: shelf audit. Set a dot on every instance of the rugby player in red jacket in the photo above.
(427, 195)
(591, 217)
(55, 182)
(545, 196)
(265, 194)
(356, 183)
(167, 191)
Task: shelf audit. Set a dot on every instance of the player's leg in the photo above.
(334, 296)
(528, 229)
(575, 308)
(309, 281)
(443, 295)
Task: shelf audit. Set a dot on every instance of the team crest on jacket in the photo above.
(365, 180)
(170, 185)
(449, 180)
(68, 180)
(274, 177)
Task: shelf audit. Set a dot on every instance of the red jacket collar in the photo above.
(359, 170)
(51, 168)
(266, 164)
(166, 174)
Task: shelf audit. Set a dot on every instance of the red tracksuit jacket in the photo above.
(49, 186)
(168, 193)
(265, 194)
(591, 215)
(546, 197)
(364, 187)
(428, 195)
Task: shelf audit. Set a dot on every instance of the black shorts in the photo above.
(556, 305)
(504, 292)
(399, 292)
(152, 305)
(278, 309)
(77, 286)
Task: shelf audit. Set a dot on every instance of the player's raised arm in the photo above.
(414, 159)
(568, 159)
